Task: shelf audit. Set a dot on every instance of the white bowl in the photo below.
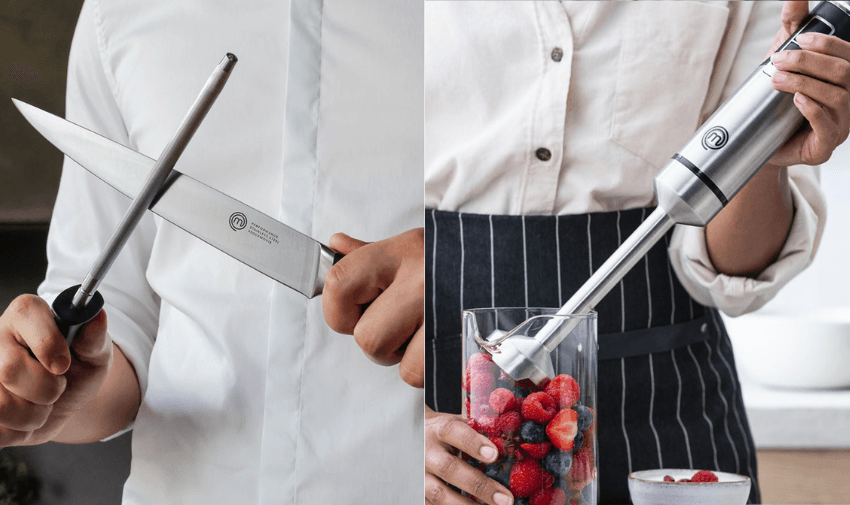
(648, 488)
(808, 349)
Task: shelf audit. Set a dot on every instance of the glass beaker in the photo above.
(548, 431)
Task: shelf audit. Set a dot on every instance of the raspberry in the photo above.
(704, 476)
(667, 478)
(488, 425)
(536, 451)
(526, 478)
(588, 439)
(481, 384)
(548, 480)
(538, 407)
(582, 470)
(472, 423)
(564, 390)
(502, 401)
(509, 423)
(550, 496)
(683, 480)
(529, 386)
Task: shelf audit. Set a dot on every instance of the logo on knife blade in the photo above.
(238, 221)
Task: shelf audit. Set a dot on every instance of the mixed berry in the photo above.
(700, 476)
(543, 433)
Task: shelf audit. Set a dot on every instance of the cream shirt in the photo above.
(249, 397)
(610, 91)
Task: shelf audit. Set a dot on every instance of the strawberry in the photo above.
(502, 401)
(683, 480)
(526, 478)
(704, 476)
(667, 478)
(527, 384)
(582, 471)
(472, 423)
(549, 496)
(564, 390)
(509, 423)
(536, 451)
(538, 407)
(501, 446)
(562, 430)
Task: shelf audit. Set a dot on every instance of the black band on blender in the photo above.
(704, 178)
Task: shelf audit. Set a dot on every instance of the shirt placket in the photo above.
(546, 128)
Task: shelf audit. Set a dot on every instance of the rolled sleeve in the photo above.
(738, 295)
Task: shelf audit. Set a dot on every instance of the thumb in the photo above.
(793, 14)
(93, 346)
(341, 242)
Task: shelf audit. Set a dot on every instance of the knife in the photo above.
(242, 232)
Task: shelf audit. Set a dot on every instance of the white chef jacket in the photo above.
(249, 397)
(611, 90)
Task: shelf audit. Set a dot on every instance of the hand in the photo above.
(40, 394)
(391, 275)
(444, 434)
(819, 76)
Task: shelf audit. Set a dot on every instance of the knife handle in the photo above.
(337, 256)
(69, 319)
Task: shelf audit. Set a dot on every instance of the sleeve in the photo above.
(87, 210)
(688, 250)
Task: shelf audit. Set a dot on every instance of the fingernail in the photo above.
(502, 499)
(805, 38)
(801, 98)
(57, 365)
(488, 453)
(779, 77)
(778, 57)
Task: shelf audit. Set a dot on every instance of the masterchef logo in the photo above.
(238, 221)
(715, 138)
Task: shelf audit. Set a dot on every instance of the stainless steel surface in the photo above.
(229, 225)
(157, 176)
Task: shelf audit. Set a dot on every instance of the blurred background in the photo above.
(35, 37)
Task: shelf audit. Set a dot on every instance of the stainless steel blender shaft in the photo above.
(721, 157)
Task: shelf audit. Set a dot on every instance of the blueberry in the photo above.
(577, 442)
(474, 462)
(493, 472)
(558, 462)
(520, 501)
(532, 433)
(585, 417)
(521, 392)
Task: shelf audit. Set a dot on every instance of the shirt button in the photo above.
(557, 54)
(543, 154)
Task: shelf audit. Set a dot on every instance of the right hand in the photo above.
(39, 395)
(444, 434)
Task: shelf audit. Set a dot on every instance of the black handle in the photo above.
(70, 319)
(824, 18)
(337, 257)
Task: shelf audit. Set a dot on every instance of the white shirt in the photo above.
(611, 90)
(249, 397)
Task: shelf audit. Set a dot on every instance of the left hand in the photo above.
(391, 275)
(819, 76)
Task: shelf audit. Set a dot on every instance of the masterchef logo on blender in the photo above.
(715, 138)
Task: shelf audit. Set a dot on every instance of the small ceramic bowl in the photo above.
(648, 488)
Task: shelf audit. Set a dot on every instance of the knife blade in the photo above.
(238, 230)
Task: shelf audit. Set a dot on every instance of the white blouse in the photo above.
(544, 108)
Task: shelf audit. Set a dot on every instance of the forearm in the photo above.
(747, 235)
(112, 409)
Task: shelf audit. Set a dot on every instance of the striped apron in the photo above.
(668, 391)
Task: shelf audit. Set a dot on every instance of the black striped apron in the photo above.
(668, 391)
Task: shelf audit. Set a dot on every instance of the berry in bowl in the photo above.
(694, 487)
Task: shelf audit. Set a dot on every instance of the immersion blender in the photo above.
(721, 157)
